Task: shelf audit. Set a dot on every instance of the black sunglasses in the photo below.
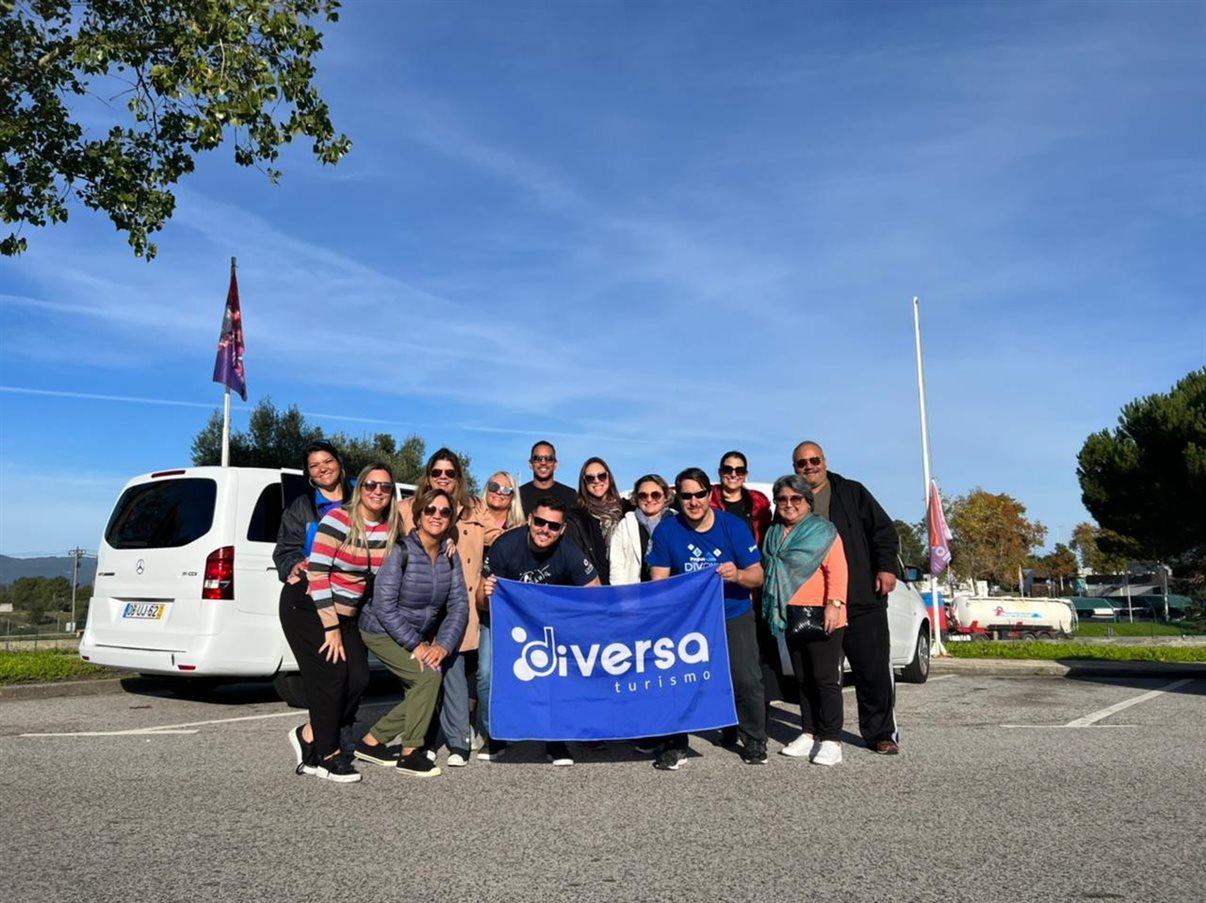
(438, 511)
(702, 494)
(655, 496)
(543, 459)
(728, 470)
(500, 488)
(804, 462)
(596, 477)
(553, 526)
(374, 485)
(449, 472)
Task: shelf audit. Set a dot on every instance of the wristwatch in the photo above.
(836, 603)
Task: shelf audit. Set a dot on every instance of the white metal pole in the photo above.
(226, 429)
(935, 633)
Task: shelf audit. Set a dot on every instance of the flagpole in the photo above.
(936, 634)
(226, 402)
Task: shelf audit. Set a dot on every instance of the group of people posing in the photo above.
(412, 582)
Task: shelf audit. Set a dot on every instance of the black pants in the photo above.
(745, 668)
(818, 667)
(868, 647)
(333, 689)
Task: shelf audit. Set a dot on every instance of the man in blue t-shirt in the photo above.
(704, 537)
(536, 553)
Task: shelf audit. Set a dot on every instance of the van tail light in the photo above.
(218, 582)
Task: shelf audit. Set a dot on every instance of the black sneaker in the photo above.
(558, 754)
(728, 739)
(754, 752)
(669, 759)
(492, 751)
(418, 765)
(303, 752)
(648, 746)
(379, 754)
(338, 769)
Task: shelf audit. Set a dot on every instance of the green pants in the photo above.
(410, 718)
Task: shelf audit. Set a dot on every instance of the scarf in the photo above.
(607, 511)
(649, 523)
(789, 562)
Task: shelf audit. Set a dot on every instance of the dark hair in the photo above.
(323, 446)
(612, 492)
(537, 445)
(423, 499)
(552, 503)
(652, 478)
(734, 454)
(463, 499)
(793, 481)
(692, 473)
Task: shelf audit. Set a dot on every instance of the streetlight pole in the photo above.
(77, 553)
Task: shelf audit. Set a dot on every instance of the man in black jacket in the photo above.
(871, 548)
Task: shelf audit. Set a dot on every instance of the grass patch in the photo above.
(48, 666)
(1128, 629)
(1052, 651)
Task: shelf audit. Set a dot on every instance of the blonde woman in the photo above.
(351, 543)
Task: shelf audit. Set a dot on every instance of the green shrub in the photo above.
(1147, 628)
(1053, 651)
(47, 666)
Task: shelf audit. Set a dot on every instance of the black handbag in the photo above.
(806, 623)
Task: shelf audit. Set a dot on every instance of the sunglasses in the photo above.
(702, 494)
(500, 488)
(553, 526)
(438, 511)
(374, 485)
(655, 496)
(596, 477)
(788, 499)
(804, 462)
(449, 472)
(543, 459)
(727, 470)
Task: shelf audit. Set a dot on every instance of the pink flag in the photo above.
(940, 534)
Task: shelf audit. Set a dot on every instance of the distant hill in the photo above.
(59, 566)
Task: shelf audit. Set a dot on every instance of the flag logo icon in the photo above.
(228, 367)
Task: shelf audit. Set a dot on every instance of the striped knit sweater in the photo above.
(337, 571)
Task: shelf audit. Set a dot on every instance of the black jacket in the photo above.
(291, 538)
(869, 537)
(587, 535)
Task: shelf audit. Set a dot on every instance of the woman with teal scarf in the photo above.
(805, 564)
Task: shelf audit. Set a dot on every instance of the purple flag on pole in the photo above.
(940, 534)
(228, 367)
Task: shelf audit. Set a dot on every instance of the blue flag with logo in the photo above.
(610, 662)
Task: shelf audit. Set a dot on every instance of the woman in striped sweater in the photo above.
(351, 543)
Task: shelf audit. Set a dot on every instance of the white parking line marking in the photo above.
(1092, 719)
(1126, 704)
(168, 728)
(940, 677)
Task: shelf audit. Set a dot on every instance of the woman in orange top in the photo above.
(805, 564)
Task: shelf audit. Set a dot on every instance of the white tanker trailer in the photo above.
(1011, 617)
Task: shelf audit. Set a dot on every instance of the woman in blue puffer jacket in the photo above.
(417, 616)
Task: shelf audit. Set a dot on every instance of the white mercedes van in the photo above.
(185, 583)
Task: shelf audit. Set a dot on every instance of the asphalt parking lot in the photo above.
(1007, 789)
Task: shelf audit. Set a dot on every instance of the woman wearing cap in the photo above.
(805, 565)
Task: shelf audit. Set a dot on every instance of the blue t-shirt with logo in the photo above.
(676, 546)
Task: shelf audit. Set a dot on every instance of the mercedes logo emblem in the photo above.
(140, 566)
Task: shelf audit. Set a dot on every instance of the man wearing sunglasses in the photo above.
(871, 547)
(538, 554)
(701, 537)
(543, 462)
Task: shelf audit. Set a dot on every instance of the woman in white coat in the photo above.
(630, 539)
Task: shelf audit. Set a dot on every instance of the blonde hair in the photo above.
(515, 515)
(357, 533)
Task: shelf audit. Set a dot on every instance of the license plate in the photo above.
(958, 638)
(144, 611)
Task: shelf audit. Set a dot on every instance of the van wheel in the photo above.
(918, 670)
(289, 687)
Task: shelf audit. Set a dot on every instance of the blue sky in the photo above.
(655, 231)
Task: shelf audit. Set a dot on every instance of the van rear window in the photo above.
(165, 514)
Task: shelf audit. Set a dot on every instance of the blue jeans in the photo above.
(483, 678)
(454, 710)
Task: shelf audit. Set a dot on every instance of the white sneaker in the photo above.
(431, 754)
(829, 753)
(803, 745)
(457, 759)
